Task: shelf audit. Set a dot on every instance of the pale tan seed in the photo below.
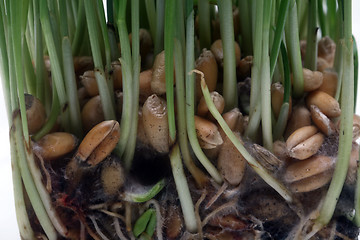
(245, 65)
(88, 80)
(155, 120)
(300, 117)
(55, 145)
(116, 74)
(322, 121)
(141, 135)
(82, 96)
(277, 99)
(300, 135)
(231, 163)
(112, 178)
(145, 85)
(203, 110)
(158, 82)
(208, 133)
(329, 84)
(308, 147)
(356, 127)
(92, 113)
(35, 113)
(83, 64)
(217, 50)
(146, 43)
(312, 183)
(326, 103)
(326, 49)
(235, 120)
(322, 65)
(206, 63)
(312, 80)
(212, 153)
(99, 142)
(310, 167)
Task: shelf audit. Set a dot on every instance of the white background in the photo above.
(8, 225)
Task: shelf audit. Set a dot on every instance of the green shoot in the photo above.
(293, 45)
(311, 40)
(170, 8)
(227, 36)
(182, 188)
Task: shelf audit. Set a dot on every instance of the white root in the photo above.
(98, 230)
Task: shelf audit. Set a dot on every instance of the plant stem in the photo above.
(80, 29)
(284, 111)
(28, 179)
(30, 79)
(170, 8)
(255, 97)
(71, 88)
(22, 217)
(126, 65)
(159, 39)
(190, 98)
(55, 63)
(130, 149)
(280, 25)
(322, 19)
(5, 80)
(266, 80)
(182, 188)
(39, 58)
(17, 36)
(356, 71)
(204, 24)
(258, 168)
(311, 38)
(330, 18)
(346, 123)
(293, 45)
(55, 110)
(107, 101)
(228, 44)
(198, 175)
(151, 14)
(245, 27)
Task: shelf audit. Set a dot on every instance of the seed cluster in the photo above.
(202, 123)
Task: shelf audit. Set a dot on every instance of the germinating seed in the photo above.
(327, 104)
(208, 133)
(326, 49)
(321, 121)
(96, 198)
(35, 113)
(329, 84)
(92, 113)
(300, 117)
(312, 80)
(55, 145)
(203, 110)
(155, 121)
(231, 163)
